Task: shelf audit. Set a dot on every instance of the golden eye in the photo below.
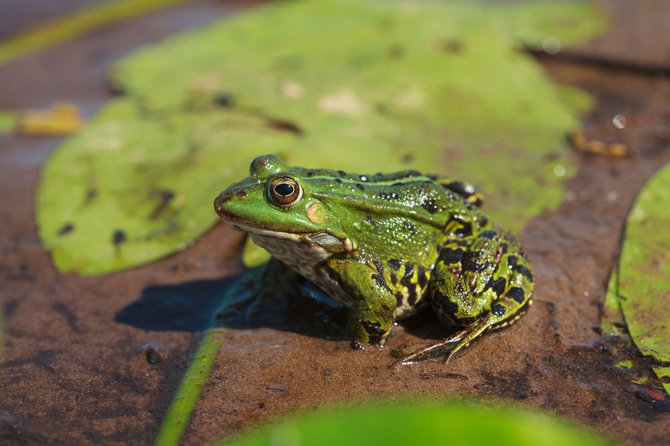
(284, 192)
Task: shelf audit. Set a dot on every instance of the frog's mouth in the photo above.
(322, 239)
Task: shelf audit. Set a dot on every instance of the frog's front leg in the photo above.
(479, 284)
(255, 289)
(373, 304)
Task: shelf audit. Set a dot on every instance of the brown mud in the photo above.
(96, 360)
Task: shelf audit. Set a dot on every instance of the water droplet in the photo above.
(551, 45)
(619, 121)
(559, 170)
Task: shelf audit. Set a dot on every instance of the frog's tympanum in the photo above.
(385, 245)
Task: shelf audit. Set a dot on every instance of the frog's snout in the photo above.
(225, 199)
(220, 201)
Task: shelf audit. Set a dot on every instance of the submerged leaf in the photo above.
(363, 86)
(644, 272)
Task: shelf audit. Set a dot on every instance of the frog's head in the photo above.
(275, 201)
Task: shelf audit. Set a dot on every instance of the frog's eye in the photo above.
(284, 192)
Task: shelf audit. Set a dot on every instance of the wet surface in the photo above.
(96, 360)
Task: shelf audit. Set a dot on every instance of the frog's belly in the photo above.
(303, 255)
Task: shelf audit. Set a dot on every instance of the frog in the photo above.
(387, 246)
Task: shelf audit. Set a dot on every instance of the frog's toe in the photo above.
(448, 347)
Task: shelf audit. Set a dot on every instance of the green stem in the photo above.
(59, 31)
(189, 390)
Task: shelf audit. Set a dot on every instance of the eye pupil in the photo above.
(284, 189)
(284, 192)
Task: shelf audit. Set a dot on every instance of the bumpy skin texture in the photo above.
(386, 245)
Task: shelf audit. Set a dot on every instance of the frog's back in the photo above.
(409, 198)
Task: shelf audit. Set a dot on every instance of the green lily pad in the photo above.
(644, 272)
(422, 423)
(611, 321)
(363, 86)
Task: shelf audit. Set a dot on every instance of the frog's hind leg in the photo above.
(462, 339)
(480, 284)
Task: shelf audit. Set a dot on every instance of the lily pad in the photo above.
(644, 273)
(363, 86)
(426, 423)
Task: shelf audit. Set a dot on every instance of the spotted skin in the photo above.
(481, 283)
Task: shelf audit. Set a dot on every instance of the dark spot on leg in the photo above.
(338, 181)
(371, 221)
(524, 272)
(374, 330)
(511, 261)
(517, 294)
(342, 173)
(411, 297)
(380, 282)
(472, 262)
(464, 228)
(395, 264)
(498, 310)
(497, 286)
(399, 298)
(409, 225)
(360, 186)
(444, 306)
(394, 279)
(421, 276)
(449, 255)
(378, 265)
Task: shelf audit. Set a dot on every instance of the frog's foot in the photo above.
(256, 289)
(453, 344)
(239, 298)
(447, 346)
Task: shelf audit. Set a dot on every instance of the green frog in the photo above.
(387, 246)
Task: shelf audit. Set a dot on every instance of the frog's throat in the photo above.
(318, 240)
